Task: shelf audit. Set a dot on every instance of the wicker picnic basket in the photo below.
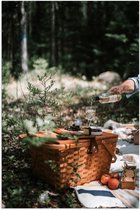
(68, 163)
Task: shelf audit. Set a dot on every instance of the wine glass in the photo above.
(90, 114)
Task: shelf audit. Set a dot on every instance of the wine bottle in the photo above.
(106, 98)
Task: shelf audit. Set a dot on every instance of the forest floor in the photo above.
(20, 189)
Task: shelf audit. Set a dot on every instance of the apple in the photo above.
(113, 183)
(105, 178)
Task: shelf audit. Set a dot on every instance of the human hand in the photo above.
(126, 87)
(117, 89)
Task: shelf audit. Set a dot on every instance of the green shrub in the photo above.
(43, 105)
(40, 63)
(6, 69)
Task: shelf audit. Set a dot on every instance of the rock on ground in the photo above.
(110, 77)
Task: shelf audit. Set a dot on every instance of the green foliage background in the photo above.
(83, 37)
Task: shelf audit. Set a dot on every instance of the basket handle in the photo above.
(109, 149)
(93, 148)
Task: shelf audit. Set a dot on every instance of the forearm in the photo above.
(128, 86)
(135, 81)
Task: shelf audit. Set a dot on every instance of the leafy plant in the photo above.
(6, 69)
(46, 100)
(36, 141)
(75, 176)
(43, 107)
(69, 200)
(39, 124)
(118, 37)
(40, 63)
(52, 164)
(64, 135)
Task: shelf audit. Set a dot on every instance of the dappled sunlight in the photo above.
(17, 89)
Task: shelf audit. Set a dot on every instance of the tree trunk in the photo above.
(53, 43)
(61, 38)
(24, 54)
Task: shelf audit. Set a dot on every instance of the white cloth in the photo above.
(97, 196)
(128, 152)
(92, 195)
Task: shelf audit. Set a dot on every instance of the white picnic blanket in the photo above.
(94, 195)
(128, 152)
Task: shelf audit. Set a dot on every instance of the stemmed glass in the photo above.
(90, 114)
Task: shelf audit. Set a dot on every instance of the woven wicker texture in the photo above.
(74, 162)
